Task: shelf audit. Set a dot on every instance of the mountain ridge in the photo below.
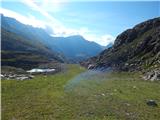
(134, 49)
(66, 46)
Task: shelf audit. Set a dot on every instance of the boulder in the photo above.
(91, 66)
(152, 103)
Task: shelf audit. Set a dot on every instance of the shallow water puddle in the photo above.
(37, 70)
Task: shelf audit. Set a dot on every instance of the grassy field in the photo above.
(66, 96)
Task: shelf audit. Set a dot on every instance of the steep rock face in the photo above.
(134, 49)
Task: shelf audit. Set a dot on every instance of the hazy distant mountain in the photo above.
(74, 48)
(134, 49)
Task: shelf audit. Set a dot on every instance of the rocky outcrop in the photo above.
(152, 75)
(134, 49)
(131, 34)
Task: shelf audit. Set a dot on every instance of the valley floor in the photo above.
(78, 94)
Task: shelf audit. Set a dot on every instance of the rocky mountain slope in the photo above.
(74, 48)
(134, 49)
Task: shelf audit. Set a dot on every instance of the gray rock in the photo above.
(152, 103)
(153, 75)
(90, 66)
(2, 76)
(22, 78)
(17, 77)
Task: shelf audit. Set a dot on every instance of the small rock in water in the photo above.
(152, 103)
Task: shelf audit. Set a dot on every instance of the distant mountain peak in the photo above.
(76, 36)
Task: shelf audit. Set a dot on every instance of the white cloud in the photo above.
(32, 4)
(106, 39)
(58, 28)
(100, 39)
(30, 20)
(51, 5)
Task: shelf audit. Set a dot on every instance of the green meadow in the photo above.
(63, 96)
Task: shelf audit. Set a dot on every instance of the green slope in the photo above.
(20, 52)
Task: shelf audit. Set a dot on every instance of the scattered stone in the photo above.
(127, 104)
(12, 76)
(126, 64)
(103, 94)
(89, 113)
(115, 90)
(22, 78)
(153, 75)
(134, 87)
(2, 76)
(90, 66)
(127, 114)
(152, 103)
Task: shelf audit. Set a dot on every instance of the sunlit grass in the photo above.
(103, 97)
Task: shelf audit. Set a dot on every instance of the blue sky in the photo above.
(96, 21)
